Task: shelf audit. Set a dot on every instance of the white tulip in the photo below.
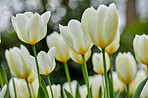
(83, 91)
(3, 91)
(97, 61)
(31, 28)
(46, 61)
(78, 58)
(17, 61)
(56, 91)
(62, 51)
(100, 26)
(126, 67)
(74, 37)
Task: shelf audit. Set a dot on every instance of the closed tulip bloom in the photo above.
(140, 76)
(113, 47)
(3, 91)
(74, 37)
(78, 58)
(62, 51)
(73, 86)
(34, 86)
(56, 91)
(46, 61)
(118, 85)
(144, 93)
(83, 91)
(21, 88)
(97, 61)
(140, 45)
(95, 83)
(31, 28)
(126, 67)
(100, 26)
(17, 61)
(32, 76)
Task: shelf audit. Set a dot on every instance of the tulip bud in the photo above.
(56, 91)
(31, 28)
(126, 67)
(144, 93)
(100, 26)
(97, 61)
(46, 61)
(83, 91)
(140, 45)
(62, 51)
(74, 37)
(78, 58)
(17, 62)
(32, 76)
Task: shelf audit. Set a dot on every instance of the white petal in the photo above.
(28, 14)
(46, 16)
(3, 91)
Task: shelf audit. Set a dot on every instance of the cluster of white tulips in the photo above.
(97, 27)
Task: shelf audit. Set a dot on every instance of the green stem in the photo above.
(111, 74)
(105, 73)
(68, 75)
(128, 92)
(83, 72)
(50, 86)
(14, 86)
(86, 76)
(28, 88)
(37, 65)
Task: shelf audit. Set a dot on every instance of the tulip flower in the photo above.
(144, 93)
(34, 88)
(97, 61)
(113, 47)
(21, 88)
(17, 62)
(3, 91)
(66, 86)
(75, 39)
(31, 28)
(62, 51)
(78, 58)
(56, 90)
(96, 82)
(83, 91)
(32, 76)
(140, 76)
(46, 61)
(126, 68)
(140, 45)
(100, 26)
(118, 85)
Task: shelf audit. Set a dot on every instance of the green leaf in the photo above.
(68, 94)
(5, 81)
(77, 92)
(1, 80)
(41, 92)
(100, 92)
(44, 88)
(117, 94)
(111, 87)
(139, 88)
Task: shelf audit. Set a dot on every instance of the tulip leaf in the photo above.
(41, 92)
(44, 88)
(117, 94)
(100, 92)
(5, 81)
(68, 94)
(77, 92)
(139, 88)
(1, 80)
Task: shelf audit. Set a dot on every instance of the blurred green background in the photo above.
(133, 17)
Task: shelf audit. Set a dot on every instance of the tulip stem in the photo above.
(105, 73)
(83, 72)
(14, 86)
(68, 75)
(28, 88)
(50, 86)
(111, 74)
(86, 76)
(128, 92)
(37, 65)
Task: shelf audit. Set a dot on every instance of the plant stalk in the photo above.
(50, 86)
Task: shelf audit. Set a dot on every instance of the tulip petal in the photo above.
(28, 14)
(46, 16)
